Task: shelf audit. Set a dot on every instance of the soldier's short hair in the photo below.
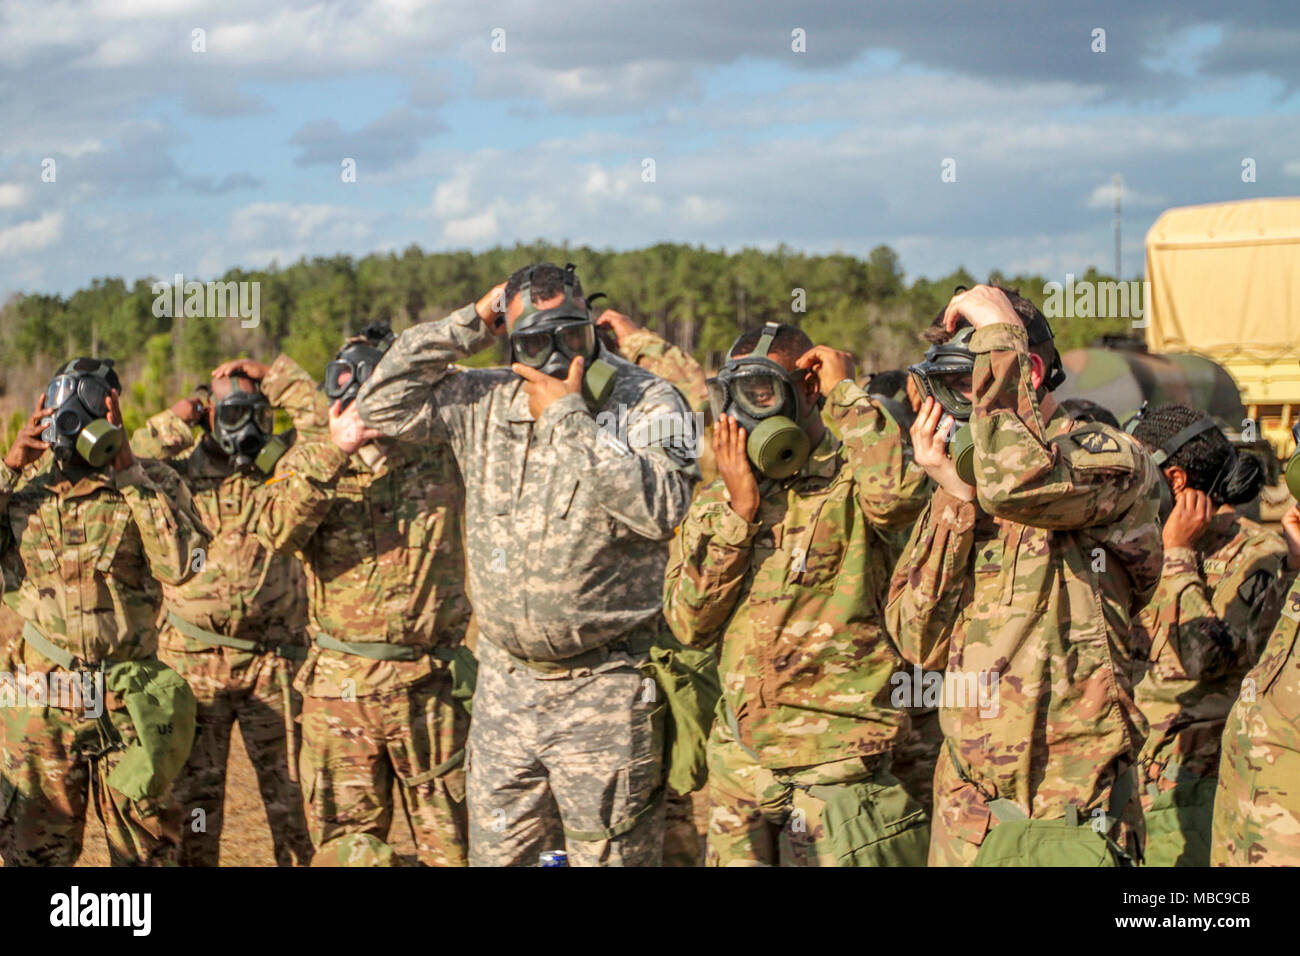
(547, 281)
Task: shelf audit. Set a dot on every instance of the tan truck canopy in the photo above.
(1225, 282)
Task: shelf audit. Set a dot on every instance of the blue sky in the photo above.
(173, 160)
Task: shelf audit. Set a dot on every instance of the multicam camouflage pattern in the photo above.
(558, 760)
(761, 817)
(1257, 805)
(85, 557)
(1037, 584)
(796, 596)
(355, 751)
(379, 533)
(1210, 617)
(239, 589)
(254, 691)
(355, 849)
(642, 347)
(47, 785)
(567, 524)
(916, 754)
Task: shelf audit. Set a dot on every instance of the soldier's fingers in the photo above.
(810, 359)
(574, 378)
(523, 371)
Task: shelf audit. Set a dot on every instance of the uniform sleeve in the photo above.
(929, 586)
(295, 500)
(1213, 631)
(9, 480)
(892, 489)
(288, 386)
(646, 483)
(169, 527)
(163, 436)
(415, 389)
(670, 363)
(707, 564)
(1088, 477)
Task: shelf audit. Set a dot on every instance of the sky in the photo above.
(155, 137)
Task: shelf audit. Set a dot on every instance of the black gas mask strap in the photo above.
(1180, 439)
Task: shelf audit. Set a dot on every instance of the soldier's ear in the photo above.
(1176, 477)
(1037, 370)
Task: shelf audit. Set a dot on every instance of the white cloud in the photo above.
(1103, 197)
(12, 195)
(30, 236)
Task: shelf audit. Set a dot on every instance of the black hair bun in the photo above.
(1245, 481)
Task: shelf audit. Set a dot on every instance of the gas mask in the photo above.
(759, 394)
(77, 402)
(945, 376)
(242, 426)
(355, 362)
(550, 339)
(1292, 470)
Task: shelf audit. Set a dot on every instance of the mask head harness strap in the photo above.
(567, 309)
(1181, 438)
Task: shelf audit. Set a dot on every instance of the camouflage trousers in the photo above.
(764, 817)
(49, 782)
(916, 754)
(232, 686)
(571, 760)
(354, 751)
(1257, 804)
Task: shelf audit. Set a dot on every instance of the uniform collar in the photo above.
(204, 464)
(65, 486)
(518, 411)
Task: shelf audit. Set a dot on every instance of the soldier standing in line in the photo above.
(568, 524)
(85, 538)
(1021, 581)
(378, 525)
(236, 629)
(782, 562)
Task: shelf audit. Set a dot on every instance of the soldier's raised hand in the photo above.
(983, 305)
(491, 308)
(831, 366)
(347, 430)
(124, 459)
(249, 368)
(1191, 515)
(542, 389)
(930, 449)
(616, 322)
(1291, 531)
(733, 465)
(28, 446)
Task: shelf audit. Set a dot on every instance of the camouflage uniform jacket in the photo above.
(239, 589)
(797, 595)
(1035, 588)
(1213, 611)
(567, 521)
(380, 537)
(87, 556)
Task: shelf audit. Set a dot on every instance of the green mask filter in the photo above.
(1293, 475)
(961, 449)
(271, 452)
(100, 442)
(598, 383)
(778, 447)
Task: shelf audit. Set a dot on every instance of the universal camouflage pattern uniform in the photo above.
(796, 597)
(567, 530)
(1257, 806)
(242, 592)
(1215, 607)
(379, 534)
(85, 556)
(1037, 584)
(654, 354)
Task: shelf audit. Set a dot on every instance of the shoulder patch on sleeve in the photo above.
(1095, 442)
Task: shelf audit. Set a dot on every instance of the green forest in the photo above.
(695, 297)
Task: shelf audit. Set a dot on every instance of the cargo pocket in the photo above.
(1044, 843)
(873, 823)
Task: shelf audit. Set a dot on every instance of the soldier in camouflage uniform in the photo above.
(1217, 601)
(1257, 804)
(1034, 586)
(791, 575)
(85, 548)
(378, 526)
(567, 524)
(236, 631)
